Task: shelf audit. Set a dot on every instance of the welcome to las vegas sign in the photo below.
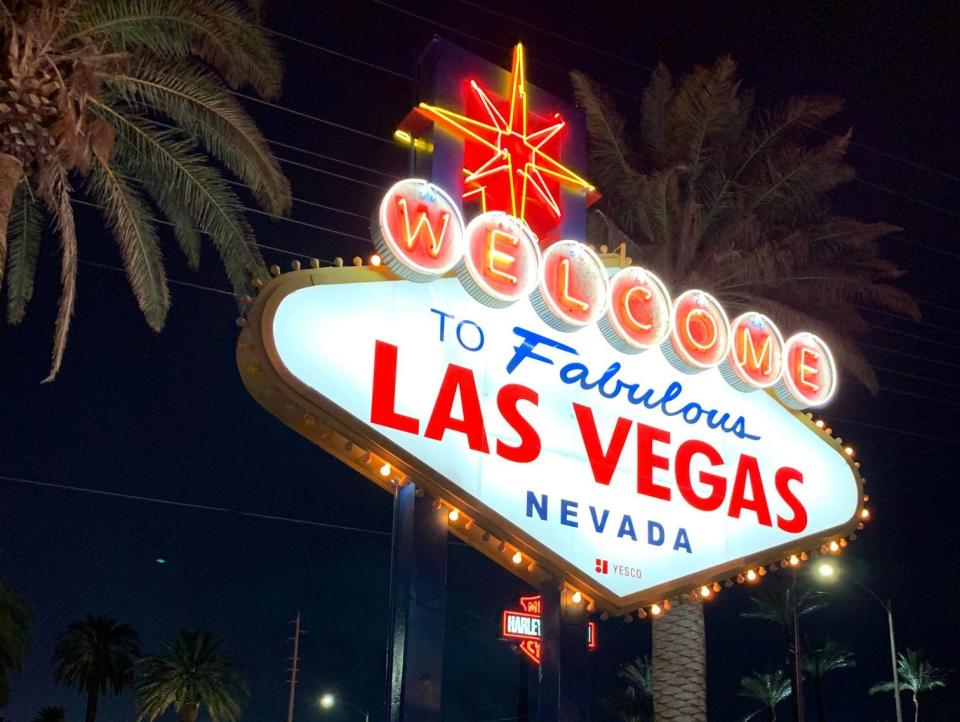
(577, 420)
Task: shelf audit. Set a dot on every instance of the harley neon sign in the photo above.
(523, 626)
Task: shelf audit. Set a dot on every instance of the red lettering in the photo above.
(748, 470)
(717, 484)
(529, 447)
(647, 461)
(799, 522)
(384, 393)
(458, 379)
(602, 463)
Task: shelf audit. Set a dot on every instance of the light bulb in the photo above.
(385, 470)
(834, 547)
(375, 260)
(751, 576)
(864, 513)
(577, 597)
(826, 570)
(453, 515)
(705, 592)
(848, 451)
(655, 610)
(517, 557)
(794, 560)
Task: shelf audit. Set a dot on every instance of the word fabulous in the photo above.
(499, 262)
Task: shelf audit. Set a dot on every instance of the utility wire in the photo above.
(188, 505)
(337, 53)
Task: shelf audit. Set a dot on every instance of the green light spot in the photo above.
(161, 560)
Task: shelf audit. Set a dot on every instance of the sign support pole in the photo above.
(564, 664)
(418, 579)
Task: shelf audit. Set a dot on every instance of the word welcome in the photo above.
(499, 261)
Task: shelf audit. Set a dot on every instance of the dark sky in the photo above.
(165, 416)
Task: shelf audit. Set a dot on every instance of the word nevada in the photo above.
(498, 260)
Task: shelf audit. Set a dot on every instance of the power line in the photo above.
(931, 304)
(323, 171)
(915, 336)
(907, 319)
(174, 281)
(917, 376)
(188, 505)
(918, 201)
(908, 355)
(337, 53)
(901, 430)
(315, 118)
(503, 48)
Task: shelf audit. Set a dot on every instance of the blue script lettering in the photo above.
(610, 387)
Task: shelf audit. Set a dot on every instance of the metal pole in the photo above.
(893, 661)
(797, 676)
(293, 669)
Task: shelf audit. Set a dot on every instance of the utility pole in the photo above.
(293, 669)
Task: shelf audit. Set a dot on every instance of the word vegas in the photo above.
(499, 261)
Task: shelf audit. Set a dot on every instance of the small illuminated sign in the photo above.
(524, 626)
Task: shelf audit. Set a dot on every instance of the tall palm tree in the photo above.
(774, 603)
(192, 674)
(95, 656)
(635, 701)
(51, 714)
(916, 675)
(767, 689)
(127, 99)
(15, 623)
(820, 659)
(712, 193)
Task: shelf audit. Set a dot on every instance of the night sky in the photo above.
(144, 417)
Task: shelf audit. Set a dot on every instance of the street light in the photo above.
(328, 701)
(826, 570)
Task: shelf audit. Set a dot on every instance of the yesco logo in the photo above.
(499, 261)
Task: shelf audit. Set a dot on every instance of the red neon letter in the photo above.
(459, 379)
(384, 392)
(602, 463)
(647, 461)
(717, 483)
(799, 522)
(529, 447)
(749, 470)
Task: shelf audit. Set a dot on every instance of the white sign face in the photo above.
(615, 466)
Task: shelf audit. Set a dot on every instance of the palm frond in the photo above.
(796, 178)
(706, 106)
(189, 182)
(23, 236)
(224, 34)
(55, 190)
(653, 114)
(199, 105)
(611, 162)
(128, 218)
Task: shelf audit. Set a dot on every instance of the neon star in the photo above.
(511, 155)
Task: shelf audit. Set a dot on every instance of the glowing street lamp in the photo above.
(328, 701)
(827, 571)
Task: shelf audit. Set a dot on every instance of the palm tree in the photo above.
(128, 99)
(916, 675)
(715, 194)
(768, 689)
(51, 714)
(774, 603)
(635, 701)
(192, 673)
(15, 623)
(96, 655)
(821, 658)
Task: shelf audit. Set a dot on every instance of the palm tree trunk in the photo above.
(189, 712)
(10, 173)
(680, 665)
(92, 699)
(818, 689)
(916, 708)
